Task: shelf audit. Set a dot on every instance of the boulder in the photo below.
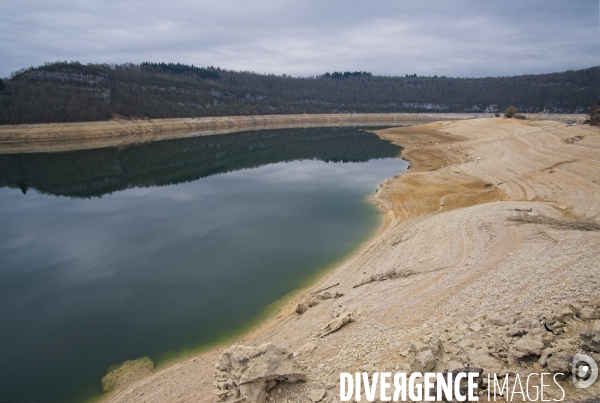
(527, 346)
(316, 395)
(247, 373)
(301, 308)
(423, 362)
(559, 363)
(431, 343)
(481, 359)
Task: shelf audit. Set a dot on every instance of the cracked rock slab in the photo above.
(247, 373)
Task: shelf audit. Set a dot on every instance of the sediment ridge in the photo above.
(53, 137)
(487, 258)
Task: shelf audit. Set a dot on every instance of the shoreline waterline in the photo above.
(273, 310)
(448, 233)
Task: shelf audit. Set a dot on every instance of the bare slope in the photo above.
(448, 262)
(54, 137)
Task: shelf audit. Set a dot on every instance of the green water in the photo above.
(108, 255)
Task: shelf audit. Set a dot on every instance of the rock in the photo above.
(127, 373)
(528, 346)
(416, 347)
(566, 312)
(545, 337)
(590, 341)
(545, 354)
(479, 358)
(336, 324)
(423, 362)
(587, 313)
(555, 327)
(475, 327)
(251, 392)
(301, 308)
(523, 348)
(522, 327)
(559, 362)
(316, 395)
(246, 372)
(496, 344)
(435, 345)
(428, 343)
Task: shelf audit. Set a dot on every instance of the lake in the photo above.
(160, 249)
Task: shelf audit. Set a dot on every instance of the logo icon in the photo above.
(584, 371)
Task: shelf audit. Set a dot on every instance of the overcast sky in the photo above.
(306, 37)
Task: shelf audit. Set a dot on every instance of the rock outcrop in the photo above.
(246, 373)
(425, 354)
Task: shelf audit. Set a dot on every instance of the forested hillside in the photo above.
(73, 92)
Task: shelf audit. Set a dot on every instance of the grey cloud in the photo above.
(458, 38)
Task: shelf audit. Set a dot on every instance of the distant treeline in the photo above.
(74, 92)
(347, 74)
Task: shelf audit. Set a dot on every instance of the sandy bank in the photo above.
(122, 133)
(448, 261)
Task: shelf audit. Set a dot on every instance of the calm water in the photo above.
(109, 255)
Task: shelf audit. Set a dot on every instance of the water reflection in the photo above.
(96, 172)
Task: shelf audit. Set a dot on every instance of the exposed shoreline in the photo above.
(456, 257)
(55, 137)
